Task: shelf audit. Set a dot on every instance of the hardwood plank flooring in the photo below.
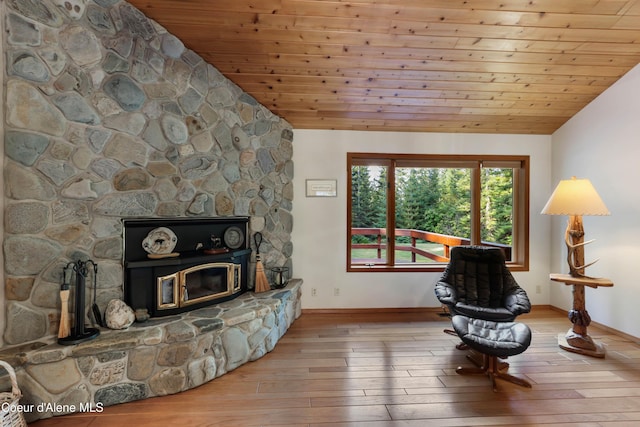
(398, 370)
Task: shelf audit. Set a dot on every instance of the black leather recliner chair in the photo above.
(478, 284)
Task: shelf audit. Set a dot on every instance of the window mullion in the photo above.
(476, 226)
(391, 214)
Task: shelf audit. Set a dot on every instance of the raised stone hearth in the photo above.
(155, 358)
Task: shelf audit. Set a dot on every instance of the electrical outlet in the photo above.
(314, 292)
(538, 289)
(336, 292)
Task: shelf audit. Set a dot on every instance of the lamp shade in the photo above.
(575, 197)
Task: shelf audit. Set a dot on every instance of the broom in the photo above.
(262, 284)
(65, 326)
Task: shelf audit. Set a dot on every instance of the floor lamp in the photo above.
(575, 198)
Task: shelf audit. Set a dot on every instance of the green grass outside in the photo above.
(401, 256)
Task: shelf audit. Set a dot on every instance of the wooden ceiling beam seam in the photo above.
(383, 11)
(307, 65)
(595, 7)
(443, 80)
(444, 55)
(252, 23)
(238, 35)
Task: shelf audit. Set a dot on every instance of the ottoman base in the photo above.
(492, 340)
(491, 368)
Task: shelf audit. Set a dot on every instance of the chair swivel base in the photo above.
(491, 368)
(478, 359)
(473, 356)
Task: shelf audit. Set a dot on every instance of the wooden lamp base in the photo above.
(580, 344)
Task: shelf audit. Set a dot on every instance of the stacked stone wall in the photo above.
(109, 116)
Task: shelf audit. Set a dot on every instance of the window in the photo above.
(405, 211)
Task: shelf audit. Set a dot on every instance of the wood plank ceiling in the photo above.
(490, 66)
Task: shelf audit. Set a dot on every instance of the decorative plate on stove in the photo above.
(233, 237)
(160, 241)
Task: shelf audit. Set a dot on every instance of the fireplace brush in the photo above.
(262, 283)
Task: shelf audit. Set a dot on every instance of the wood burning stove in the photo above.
(201, 283)
(201, 270)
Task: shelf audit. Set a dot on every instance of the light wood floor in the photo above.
(398, 370)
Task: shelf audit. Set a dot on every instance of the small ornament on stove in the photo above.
(215, 246)
(142, 315)
(160, 243)
(234, 237)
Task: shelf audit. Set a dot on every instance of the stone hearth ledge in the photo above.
(159, 357)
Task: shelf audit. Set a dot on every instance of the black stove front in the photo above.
(200, 270)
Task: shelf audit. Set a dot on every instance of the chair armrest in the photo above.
(445, 293)
(517, 302)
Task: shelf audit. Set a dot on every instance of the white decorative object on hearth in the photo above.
(119, 315)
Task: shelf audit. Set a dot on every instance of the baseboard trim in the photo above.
(440, 311)
(418, 310)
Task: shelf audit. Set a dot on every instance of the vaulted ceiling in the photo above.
(499, 66)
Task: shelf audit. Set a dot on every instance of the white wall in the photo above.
(319, 230)
(602, 143)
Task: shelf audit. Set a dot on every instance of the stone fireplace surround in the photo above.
(109, 116)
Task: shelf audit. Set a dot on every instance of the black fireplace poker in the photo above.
(80, 333)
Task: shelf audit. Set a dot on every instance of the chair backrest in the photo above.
(479, 275)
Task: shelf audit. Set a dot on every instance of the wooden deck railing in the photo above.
(418, 235)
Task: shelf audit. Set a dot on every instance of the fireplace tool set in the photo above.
(79, 333)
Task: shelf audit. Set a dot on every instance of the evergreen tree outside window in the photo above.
(407, 211)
